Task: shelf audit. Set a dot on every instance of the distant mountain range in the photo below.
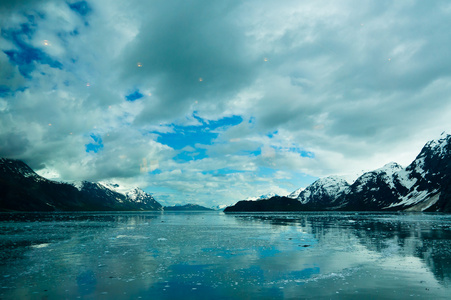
(187, 207)
(21, 189)
(424, 185)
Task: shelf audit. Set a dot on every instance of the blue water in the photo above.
(211, 255)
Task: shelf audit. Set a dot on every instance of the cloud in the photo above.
(213, 102)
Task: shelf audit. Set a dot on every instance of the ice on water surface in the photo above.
(213, 255)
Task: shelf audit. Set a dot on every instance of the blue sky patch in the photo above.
(191, 135)
(256, 152)
(301, 152)
(81, 7)
(4, 91)
(96, 145)
(204, 134)
(266, 172)
(134, 96)
(7, 92)
(272, 134)
(26, 56)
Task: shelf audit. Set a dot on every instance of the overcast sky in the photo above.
(211, 102)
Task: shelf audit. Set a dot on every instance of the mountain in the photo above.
(295, 194)
(276, 203)
(135, 195)
(22, 189)
(424, 185)
(323, 192)
(187, 207)
(429, 178)
(262, 197)
(375, 190)
(219, 207)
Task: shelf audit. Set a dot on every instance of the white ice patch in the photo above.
(415, 197)
(38, 246)
(78, 185)
(403, 178)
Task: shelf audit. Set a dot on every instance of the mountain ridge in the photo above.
(424, 185)
(21, 189)
(187, 207)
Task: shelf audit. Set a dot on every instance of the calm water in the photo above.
(216, 256)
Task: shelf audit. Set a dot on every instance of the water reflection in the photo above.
(206, 255)
(421, 235)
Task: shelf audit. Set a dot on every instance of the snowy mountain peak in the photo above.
(137, 195)
(17, 167)
(31, 192)
(295, 194)
(78, 185)
(440, 145)
(390, 168)
(262, 197)
(329, 183)
(326, 189)
(424, 185)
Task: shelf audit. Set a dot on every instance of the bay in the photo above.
(200, 255)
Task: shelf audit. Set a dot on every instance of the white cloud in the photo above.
(356, 84)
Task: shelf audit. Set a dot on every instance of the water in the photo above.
(211, 255)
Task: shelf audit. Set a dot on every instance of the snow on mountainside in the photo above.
(262, 197)
(18, 168)
(295, 194)
(424, 185)
(385, 174)
(23, 190)
(134, 194)
(137, 195)
(324, 190)
(428, 177)
(418, 187)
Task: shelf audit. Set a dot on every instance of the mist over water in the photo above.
(211, 255)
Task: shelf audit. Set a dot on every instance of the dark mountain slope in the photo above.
(22, 189)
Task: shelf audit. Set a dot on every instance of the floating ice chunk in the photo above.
(43, 245)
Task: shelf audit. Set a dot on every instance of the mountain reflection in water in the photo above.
(212, 255)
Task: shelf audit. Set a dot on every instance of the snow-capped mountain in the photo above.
(295, 194)
(18, 169)
(134, 199)
(24, 190)
(134, 194)
(262, 197)
(421, 186)
(375, 190)
(425, 185)
(324, 191)
(428, 178)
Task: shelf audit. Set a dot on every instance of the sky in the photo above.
(212, 102)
